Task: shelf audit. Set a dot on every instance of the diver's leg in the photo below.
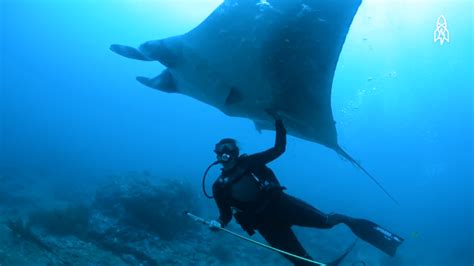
(301, 213)
(282, 237)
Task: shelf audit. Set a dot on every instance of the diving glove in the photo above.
(214, 225)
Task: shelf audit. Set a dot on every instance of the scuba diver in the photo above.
(249, 191)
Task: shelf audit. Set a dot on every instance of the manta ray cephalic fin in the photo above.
(163, 82)
(166, 51)
(129, 52)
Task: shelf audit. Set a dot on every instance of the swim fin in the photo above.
(376, 235)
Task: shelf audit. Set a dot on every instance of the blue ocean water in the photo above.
(71, 111)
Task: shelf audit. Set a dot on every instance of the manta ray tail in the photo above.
(344, 154)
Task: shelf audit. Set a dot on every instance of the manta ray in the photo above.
(249, 57)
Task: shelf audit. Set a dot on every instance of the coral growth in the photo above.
(158, 209)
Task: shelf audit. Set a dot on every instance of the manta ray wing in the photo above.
(250, 56)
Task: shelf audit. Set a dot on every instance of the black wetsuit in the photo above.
(251, 192)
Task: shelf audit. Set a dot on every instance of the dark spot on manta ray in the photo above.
(234, 97)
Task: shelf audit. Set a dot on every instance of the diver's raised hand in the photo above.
(273, 113)
(279, 126)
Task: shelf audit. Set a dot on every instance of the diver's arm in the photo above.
(274, 152)
(225, 212)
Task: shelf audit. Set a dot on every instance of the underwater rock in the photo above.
(73, 220)
(134, 221)
(130, 254)
(143, 204)
(20, 229)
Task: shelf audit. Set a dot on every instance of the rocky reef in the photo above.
(133, 219)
